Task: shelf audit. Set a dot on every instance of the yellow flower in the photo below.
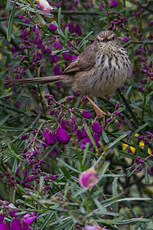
(137, 134)
(133, 150)
(141, 144)
(149, 150)
(124, 146)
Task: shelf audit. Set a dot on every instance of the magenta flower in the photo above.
(26, 20)
(71, 27)
(4, 226)
(54, 58)
(50, 138)
(96, 127)
(114, 3)
(88, 178)
(74, 57)
(52, 27)
(62, 136)
(56, 44)
(94, 227)
(1, 218)
(66, 55)
(56, 70)
(86, 114)
(140, 88)
(16, 224)
(78, 29)
(126, 39)
(29, 218)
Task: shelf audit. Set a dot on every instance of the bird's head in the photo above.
(106, 38)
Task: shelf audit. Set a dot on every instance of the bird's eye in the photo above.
(105, 40)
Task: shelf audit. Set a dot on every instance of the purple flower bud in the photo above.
(56, 44)
(62, 135)
(1, 218)
(20, 17)
(23, 137)
(69, 98)
(50, 138)
(151, 23)
(78, 29)
(52, 27)
(71, 27)
(15, 224)
(114, 3)
(116, 106)
(96, 127)
(139, 169)
(149, 171)
(66, 55)
(54, 58)
(29, 218)
(100, 7)
(108, 120)
(26, 20)
(96, 139)
(52, 112)
(14, 50)
(86, 140)
(140, 88)
(56, 70)
(4, 226)
(86, 114)
(24, 33)
(126, 39)
(141, 161)
(73, 57)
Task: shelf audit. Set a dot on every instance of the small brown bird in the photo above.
(98, 71)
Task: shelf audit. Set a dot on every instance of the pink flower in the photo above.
(50, 138)
(96, 127)
(52, 27)
(15, 224)
(88, 178)
(94, 227)
(86, 114)
(28, 218)
(126, 39)
(44, 5)
(62, 136)
(114, 3)
(4, 226)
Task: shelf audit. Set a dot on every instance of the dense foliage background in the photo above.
(48, 134)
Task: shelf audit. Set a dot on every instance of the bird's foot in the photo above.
(98, 111)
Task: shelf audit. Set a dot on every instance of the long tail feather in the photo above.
(40, 80)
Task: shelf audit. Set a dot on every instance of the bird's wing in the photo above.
(85, 61)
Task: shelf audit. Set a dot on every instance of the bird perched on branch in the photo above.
(98, 71)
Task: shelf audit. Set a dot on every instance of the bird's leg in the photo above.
(98, 111)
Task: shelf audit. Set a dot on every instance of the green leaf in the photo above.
(115, 192)
(59, 18)
(2, 121)
(68, 166)
(90, 136)
(8, 4)
(46, 220)
(118, 140)
(10, 22)
(105, 137)
(147, 177)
